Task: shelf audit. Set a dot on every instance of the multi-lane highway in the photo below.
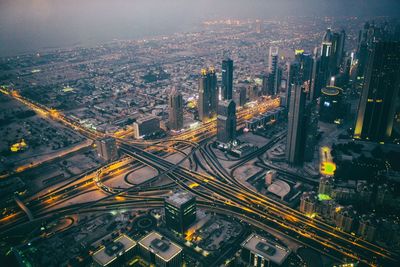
(220, 189)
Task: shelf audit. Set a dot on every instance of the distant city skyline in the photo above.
(31, 26)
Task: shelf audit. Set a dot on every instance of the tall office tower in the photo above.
(242, 96)
(295, 136)
(227, 78)
(377, 107)
(340, 52)
(107, 149)
(273, 58)
(299, 72)
(208, 94)
(180, 211)
(310, 122)
(366, 39)
(226, 121)
(212, 84)
(324, 63)
(314, 83)
(175, 114)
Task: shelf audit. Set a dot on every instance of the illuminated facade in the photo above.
(377, 107)
(180, 211)
(208, 94)
(227, 78)
(273, 72)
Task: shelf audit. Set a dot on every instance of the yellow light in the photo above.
(298, 51)
(193, 185)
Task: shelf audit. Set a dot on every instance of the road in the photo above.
(224, 191)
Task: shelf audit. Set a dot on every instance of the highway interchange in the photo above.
(216, 189)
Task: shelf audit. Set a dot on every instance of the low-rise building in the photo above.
(160, 251)
(116, 252)
(258, 251)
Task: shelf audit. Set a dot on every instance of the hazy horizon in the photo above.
(30, 25)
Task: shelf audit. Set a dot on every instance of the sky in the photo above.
(28, 25)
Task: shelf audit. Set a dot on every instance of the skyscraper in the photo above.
(273, 58)
(295, 136)
(340, 48)
(300, 72)
(175, 114)
(329, 60)
(107, 149)
(227, 78)
(379, 96)
(226, 121)
(208, 94)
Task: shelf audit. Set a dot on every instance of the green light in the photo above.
(323, 197)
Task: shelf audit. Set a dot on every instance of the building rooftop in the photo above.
(266, 249)
(331, 90)
(279, 188)
(146, 118)
(107, 254)
(160, 246)
(179, 198)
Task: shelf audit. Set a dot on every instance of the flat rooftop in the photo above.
(266, 249)
(107, 254)
(160, 246)
(179, 198)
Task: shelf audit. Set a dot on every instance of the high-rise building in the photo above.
(325, 185)
(327, 61)
(339, 51)
(295, 137)
(308, 202)
(242, 96)
(175, 114)
(180, 211)
(367, 36)
(345, 218)
(227, 78)
(146, 125)
(273, 71)
(226, 121)
(208, 94)
(300, 71)
(107, 149)
(331, 108)
(310, 121)
(160, 251)
(377, 106)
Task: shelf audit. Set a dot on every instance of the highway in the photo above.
(281, 216)
(220, 189)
